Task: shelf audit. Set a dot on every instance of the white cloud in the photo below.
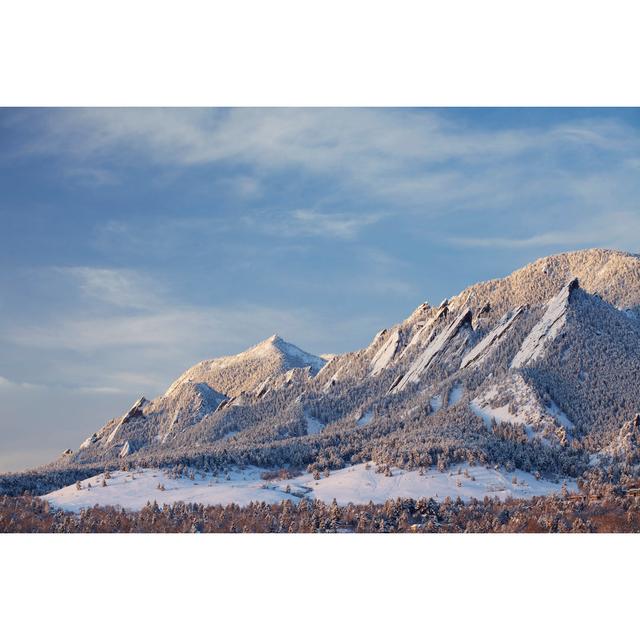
(386, 152)
(334, 225)
(119, 287)
(186, 328)
(310, 223)
(100, 391)
(616, 230)
(11, 385)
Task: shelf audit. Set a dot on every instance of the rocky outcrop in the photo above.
(436, 345)
(386, 353)
(134, 412)
(484, 347)
(547, 329)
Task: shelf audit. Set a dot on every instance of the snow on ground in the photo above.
(517, 393)
(132, 490)
(521, 407)
(358, 484)
(499, 414)
(560, 416)
(436, 403)
(455, 395)
(365, 419)
(313, 425)
(298, 354)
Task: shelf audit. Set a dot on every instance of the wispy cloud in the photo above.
(310, 223)
(100, 390)
(11, 385)
(616, 230)
(331, 225)
(388, 153)
(207, 330)
(92, 175)
(119, 287)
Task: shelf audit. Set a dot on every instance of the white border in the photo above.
(286, 52)
(322, 586)
(329, 52)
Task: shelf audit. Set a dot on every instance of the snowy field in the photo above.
(357, 484)
(132, 490)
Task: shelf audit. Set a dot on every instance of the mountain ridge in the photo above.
(535, 371)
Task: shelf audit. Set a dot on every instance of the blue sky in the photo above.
(134, 243)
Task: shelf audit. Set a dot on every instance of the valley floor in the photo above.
(358, 484)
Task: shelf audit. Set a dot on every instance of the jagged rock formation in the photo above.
(547, 329)
(385, 354)
(436, 344)
(132, 414)
(486, 345)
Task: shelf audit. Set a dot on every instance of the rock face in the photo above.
(488, 343)
(435, 346)
(134, 412)
(547, 329)
(424, 330)
(385, 354)
(541, 367)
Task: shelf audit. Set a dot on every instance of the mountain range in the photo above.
(537, 372)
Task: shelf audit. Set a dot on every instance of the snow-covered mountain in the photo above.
(538, 371)
(205, 388)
